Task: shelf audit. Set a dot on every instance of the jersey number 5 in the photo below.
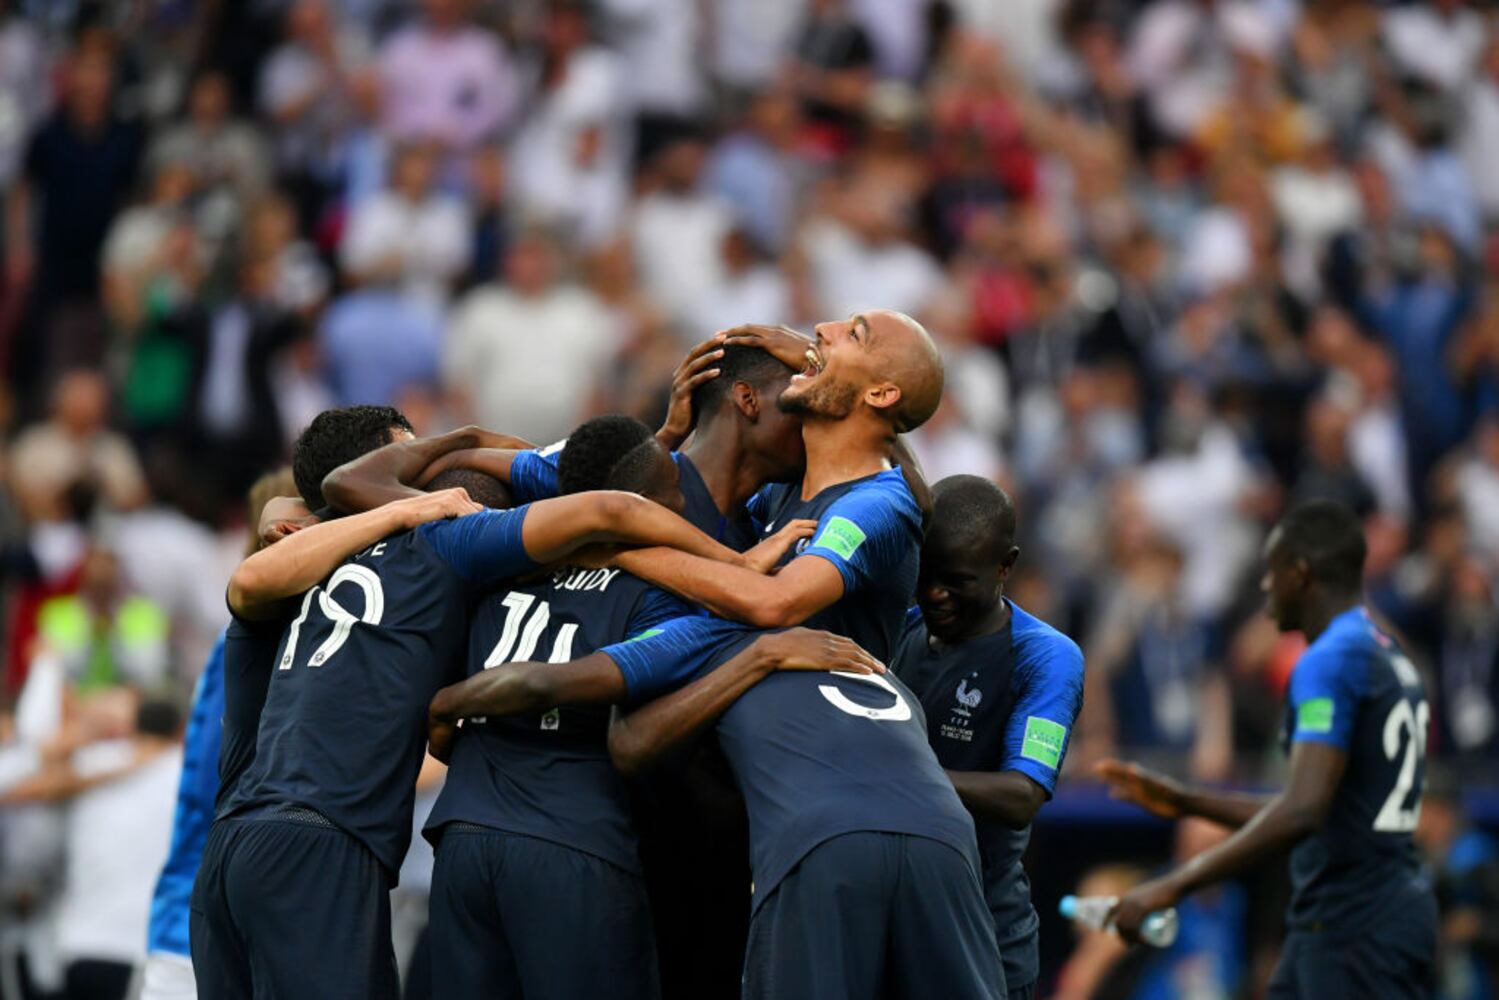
(343, 621)
(898, 712)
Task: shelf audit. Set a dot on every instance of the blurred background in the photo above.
(1190, 261)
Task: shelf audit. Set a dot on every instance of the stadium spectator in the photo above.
(75, 447)
(79, 168)
(571, 154)
(525, 353)
(412, 233)
(226, 156)
(445, 80)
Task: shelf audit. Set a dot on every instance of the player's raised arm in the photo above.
(1299, 810)
(395, 471)
(639, 738)
(280, 571)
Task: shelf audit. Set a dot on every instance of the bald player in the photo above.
(865, 861)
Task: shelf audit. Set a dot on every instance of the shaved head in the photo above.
(910, 360)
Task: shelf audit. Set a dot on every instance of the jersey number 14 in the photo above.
(520, 634)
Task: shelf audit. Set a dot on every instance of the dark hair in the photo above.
(482, 487)
(1330, 537)
(158, 717)
(338, 436)
(975, 510)
(750, 365)
(612, 452)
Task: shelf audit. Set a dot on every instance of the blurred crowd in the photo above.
(1190, 261)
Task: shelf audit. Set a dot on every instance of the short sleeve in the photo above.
(533, 474)
(1323, 698)
(867, 534)
(1048, 682)
(482, 548)
(668, 655)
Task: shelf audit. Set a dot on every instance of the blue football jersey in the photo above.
(1354, 689)
(1001, 702)
(533, 476)
(249, 659)
(345, 720)
(870, 529)
(818, 755)
(196, 790)
(548, 775)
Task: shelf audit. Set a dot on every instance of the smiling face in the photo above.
(846, 364)
(961, 582)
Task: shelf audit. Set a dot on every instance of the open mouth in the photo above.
(814, 365)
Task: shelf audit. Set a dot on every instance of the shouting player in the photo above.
(1001, 691)
(322, 817)
(865, 863)
(1362, 920)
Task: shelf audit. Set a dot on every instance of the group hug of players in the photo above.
(749, 717)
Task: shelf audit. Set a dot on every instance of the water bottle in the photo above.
(1158, 930)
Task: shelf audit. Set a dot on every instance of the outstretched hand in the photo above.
(767, 555)
(1150, 790)
(695, 369)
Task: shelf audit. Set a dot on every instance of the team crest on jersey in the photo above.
(959, 725)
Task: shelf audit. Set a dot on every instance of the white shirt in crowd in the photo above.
(660, 42)
(117, 839)
(1440, 48)
(430, 239)
(551, 178)
(678, 242)
(850, 274)
(759, 294)
(528, 362)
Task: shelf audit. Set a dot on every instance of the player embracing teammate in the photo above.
(744, 604)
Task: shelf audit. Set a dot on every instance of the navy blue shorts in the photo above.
(875, 914)
(1393, 956)
(290, 907)
(516, 916)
